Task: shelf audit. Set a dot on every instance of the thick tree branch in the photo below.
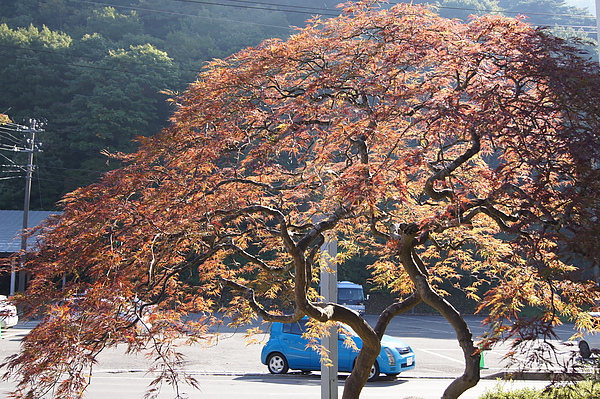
(360, 143)
(394, 310)
(374, 230)
(323, 226)
(447, 171)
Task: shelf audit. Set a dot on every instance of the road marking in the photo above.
(443, 356)
(9, 334)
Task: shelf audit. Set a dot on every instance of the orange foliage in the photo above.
(482, 136)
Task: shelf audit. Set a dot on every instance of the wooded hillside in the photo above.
(99, 73)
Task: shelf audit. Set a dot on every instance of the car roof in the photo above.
(348, 284)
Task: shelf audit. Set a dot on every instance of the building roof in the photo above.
(11, 225)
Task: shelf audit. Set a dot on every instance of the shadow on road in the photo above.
(308, 379)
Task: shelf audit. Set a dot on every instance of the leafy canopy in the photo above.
(446, 149)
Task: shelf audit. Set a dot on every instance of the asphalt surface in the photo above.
(232, 358)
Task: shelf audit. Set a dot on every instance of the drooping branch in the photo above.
(259, 309)
(192, 259)
(277, 214)
(549, 218)
(498, 216)
(258, 261)
(373, 219)
(265, 186)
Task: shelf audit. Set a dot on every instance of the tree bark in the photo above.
(406, 236)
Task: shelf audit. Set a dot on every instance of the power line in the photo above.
(324, 11)
(77, 56)
(183, 14)
(265, 3)
(87, 66)
(257, 7)
(8, 159)
(9, 137)
(66, 180)
(75, 170)
(517, 12)
(31, 147)
(99, 58)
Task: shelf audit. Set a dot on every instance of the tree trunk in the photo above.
(360, 374)
(416, 270)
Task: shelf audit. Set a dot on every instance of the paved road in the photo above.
(132, 386)
(234, 366)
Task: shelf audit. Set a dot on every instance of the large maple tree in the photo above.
(445, 148)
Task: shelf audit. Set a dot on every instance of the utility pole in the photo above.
(30, 148)
(28, 175)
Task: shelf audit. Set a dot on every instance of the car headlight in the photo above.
(404, 350)
(390, 355)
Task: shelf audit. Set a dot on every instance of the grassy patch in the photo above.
(581, 390)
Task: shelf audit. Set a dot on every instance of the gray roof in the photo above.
(11, 225)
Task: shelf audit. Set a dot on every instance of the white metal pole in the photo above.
(329, 374)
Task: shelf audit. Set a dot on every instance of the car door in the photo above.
(346, 354)
(297, 354)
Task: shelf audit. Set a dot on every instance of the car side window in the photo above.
(297, 328)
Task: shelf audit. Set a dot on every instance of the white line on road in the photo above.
(443, 356)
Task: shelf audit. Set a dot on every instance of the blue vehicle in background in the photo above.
(287, 349)
(351, 296)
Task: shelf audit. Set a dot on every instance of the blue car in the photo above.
(287, 349)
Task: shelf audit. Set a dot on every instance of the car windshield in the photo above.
(350, 294)
(300, 328)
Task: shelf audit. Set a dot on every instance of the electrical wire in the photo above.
(184, 14)
(75, 170)
(9, 137)
(328, 11)
(265, 3)
(518, 12)
(99, 58)
(592, 30)
(9, 160)
(137, 73)
(257, 7)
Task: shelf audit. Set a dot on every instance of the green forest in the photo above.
(99, 74)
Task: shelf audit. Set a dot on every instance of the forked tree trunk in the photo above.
(372, 346)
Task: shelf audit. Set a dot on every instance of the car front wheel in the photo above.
(374, 372)
(277, 363)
